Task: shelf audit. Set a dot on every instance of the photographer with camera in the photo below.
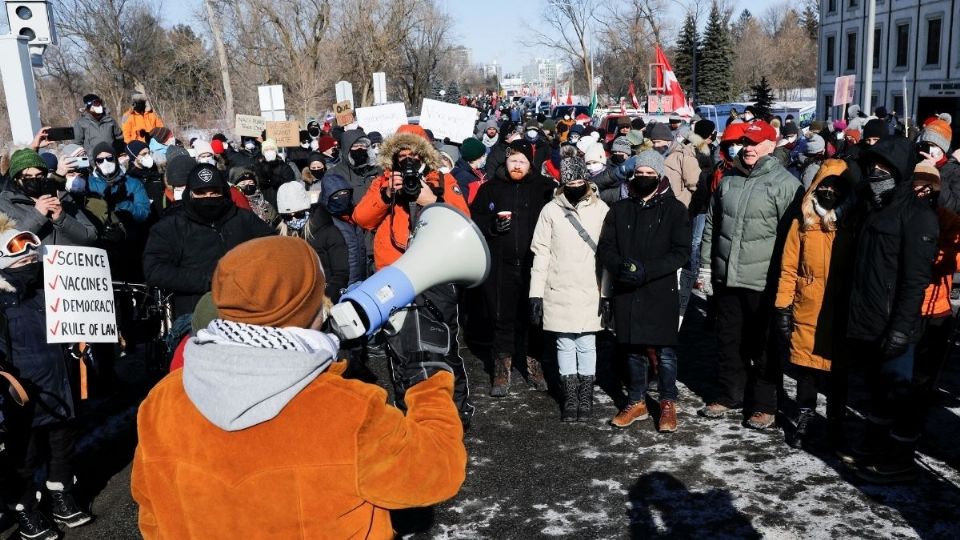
(411, 180)
(38, 206)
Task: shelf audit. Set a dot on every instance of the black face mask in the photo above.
(207, 209)
(359, 157)
(644, 185)
(617, 159)
(248, 189)
(25, 278)
(32, 188)
(827, 198)
(139, 107)
(341, 203)
(334, 154)
(575, 193)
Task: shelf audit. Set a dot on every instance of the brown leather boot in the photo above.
(630, 414)
(535, 375)
(668, 416)
(501, 375)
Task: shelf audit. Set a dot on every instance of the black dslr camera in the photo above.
(410, 172)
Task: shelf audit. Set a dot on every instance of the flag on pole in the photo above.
(667, 83)
(633, 97)
(553, 97)
(593, 102)
(566, 87)
(623, 106)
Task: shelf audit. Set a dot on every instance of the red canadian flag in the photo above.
(633, 97)
(553, 97)
(671, 86)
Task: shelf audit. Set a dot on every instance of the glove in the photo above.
(605, 312)
(783, 318)
(501, 225)
(704, 281)
(893, 344)
(421, 366)
(536, 311)
(632, 272)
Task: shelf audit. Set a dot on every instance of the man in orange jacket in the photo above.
(386, 208)
(140, 121)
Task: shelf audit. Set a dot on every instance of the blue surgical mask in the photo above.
(734, 150)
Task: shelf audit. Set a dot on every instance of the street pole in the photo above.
(868, 61)
(19, 88)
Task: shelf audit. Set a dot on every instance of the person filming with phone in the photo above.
(38, 206)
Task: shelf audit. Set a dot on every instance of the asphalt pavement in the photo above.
(531, 476)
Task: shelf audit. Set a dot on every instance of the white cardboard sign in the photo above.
(448, 120)
(79, 295)
(384, 119)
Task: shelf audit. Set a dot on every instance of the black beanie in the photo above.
(178, 169)
(89, 99)
(874, 128)
(704, 128)
(522, 147)
(204, 176)
(637, 123)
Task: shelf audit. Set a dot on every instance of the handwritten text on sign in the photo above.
(79, 295)
(384, 119)
(250, 126)
(447, 120)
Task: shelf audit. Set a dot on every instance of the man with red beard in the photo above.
(506, 209)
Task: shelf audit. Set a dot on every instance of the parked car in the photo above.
(573, 110)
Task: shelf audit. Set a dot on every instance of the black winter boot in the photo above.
(66, 511)
(570, 398)
(35, 526)
(803, 427)
(585, 397)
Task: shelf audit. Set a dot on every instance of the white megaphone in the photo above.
(446, 247)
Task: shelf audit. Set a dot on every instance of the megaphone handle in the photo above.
(414, 211)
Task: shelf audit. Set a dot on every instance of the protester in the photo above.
(125, 195)
(645, 240)
(272, 171)
(356, 165)
(43, 434)
(682, 167)
(95, 125)
(469, 170)
(813, 156)
(506, 210)
(144, 168)
(934, 145)
(564, 284)
(249, 185)
(224, 412)
(248, 155)
(747, 221)
(314, 172)
(141, 120)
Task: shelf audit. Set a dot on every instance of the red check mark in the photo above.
(56, 305)
(55, 328)
(53, 284)
(54, 256)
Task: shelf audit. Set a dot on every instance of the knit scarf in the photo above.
(303, 340)
(489, 141)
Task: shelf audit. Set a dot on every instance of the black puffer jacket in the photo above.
(182, 252)
(896, 248)
(359, 176)
(950, 185)
(656, 234)
(326, 239)
(272, 175)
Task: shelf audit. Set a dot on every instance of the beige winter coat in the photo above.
(683, 169)
(564, 270)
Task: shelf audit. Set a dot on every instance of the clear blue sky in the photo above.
(480, 26)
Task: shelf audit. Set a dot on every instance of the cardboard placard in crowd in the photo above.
(79, 295)
(447, 120)
(843, 88)
(384, 119)
(344, 113)
(286, 133)
(248, 125)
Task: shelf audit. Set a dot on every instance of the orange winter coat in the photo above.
(810, 252)
(136, 122)
(936, 299)
(329, 465)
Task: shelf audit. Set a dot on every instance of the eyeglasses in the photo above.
(110, 159)
(21, 243)
(297, 215)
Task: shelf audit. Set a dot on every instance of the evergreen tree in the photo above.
(810, 20)
(737, 29)
(453, 92)
(437, 94)
(688, 45)
(715, 69)
(762, 97)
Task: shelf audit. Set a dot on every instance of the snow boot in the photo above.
(535, 375)
(801, 433)
(585, 397)
(501, 375)
(570, 398)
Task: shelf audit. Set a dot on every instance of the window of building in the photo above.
(933, 41)
(854, 3)
(898, 104)
(832, 6)
(877, 34)
(828, 105)
(831, 53)
(903, 44)
(851, 51)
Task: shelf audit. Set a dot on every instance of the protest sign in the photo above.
(843, 90)
(384, 119)
(78, 291)
(344, 112)
(286, 133)
(447, 120)
(248, 125)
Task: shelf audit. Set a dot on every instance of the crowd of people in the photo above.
(819, 249)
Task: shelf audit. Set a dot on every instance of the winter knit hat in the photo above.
(71, 150)
(637, 123)
(788, 130)
(269, 145)
(134, 148)
(594, 154)
(649, 158)
(178, 169)
(573, 168)
(521, 146)
(939, 133)
(100, 148)
(292, 198)
(237, 173)
(161, 134)
(853, 111)
(204, 176)
(926, 175)
(816, 145)
(375, 137)
(704, 128)
(204, 312)
(472, 149)
(50, 159)
(326, 143)
(874, 128)
(635, 137)
(23, 159)
(853, 134)
(274, 281)
(549, 125)
(622, 145)
(659, 131)
(89, 99)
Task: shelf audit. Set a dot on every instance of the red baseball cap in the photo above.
(733, 132)
(760, 131)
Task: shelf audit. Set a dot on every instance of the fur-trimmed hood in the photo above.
(401, 141)
(812, 220)
(699, 143)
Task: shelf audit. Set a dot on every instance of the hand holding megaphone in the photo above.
(446, 247)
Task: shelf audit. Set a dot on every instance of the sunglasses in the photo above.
(21, 243)
(299, 215)
(32, 178)
(102, 159)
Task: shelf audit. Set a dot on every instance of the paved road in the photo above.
(531, 476)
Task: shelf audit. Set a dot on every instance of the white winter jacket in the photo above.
(564, 270)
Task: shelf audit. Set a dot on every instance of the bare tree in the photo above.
(213, 19)
(422, 56)
(567, 26)
(633, 29)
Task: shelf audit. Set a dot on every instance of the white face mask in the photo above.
(178, 193)
(594, 168)
(250, 146)
(270, 155)
(97, 110)
(734, 150)
(936, 153)
(747, 117)
(107, 168)
(532, 134)
(208, 161)
(146, 161)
